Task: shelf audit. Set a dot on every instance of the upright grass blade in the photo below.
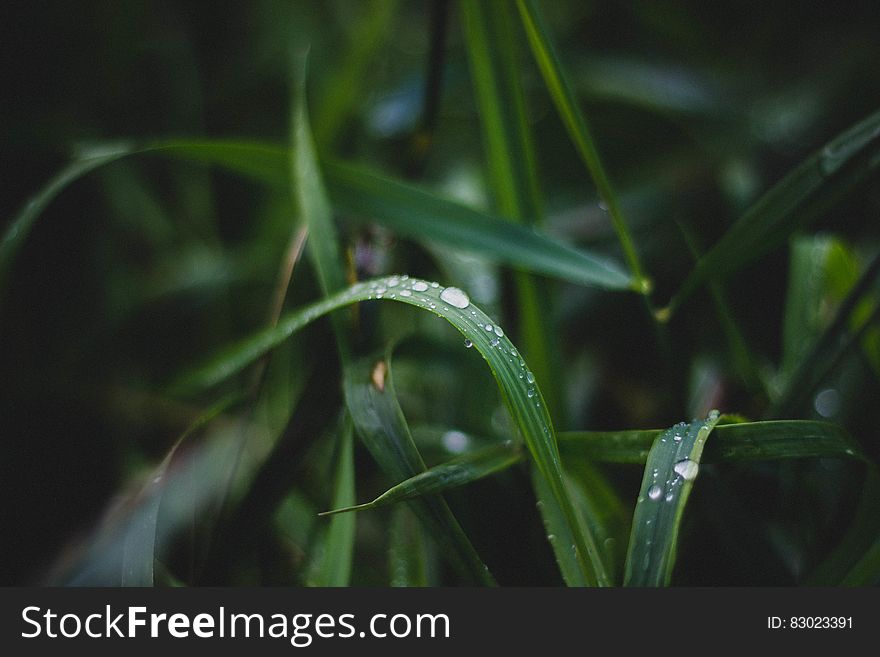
(517, 384)
(672, 466)
(459, 471)
(343, 89)
(576, 123)
(748, 441)
(488, 29)
(802, 196)
(803, 377)
(140, 550)
(851, 561)
(335, 567)
(407, 553)
(372, 403)
(560, 534)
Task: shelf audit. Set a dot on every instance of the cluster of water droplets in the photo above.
(429, 294)
(684, 470)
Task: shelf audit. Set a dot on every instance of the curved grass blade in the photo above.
(748, 441)
(672, 466)
(406, 209)
(517, 384)
(807, 191)
(576, 123)
(407, 553)
(456, 472)
(21, 224)
(372, 403)
(335, 567)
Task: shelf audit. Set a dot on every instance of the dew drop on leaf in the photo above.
(455, 297)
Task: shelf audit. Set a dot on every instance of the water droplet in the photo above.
(488, 327)
(530, 377)
(419, 286)
(435, 284)
(551, 537)
(676, 437)
(455, 297)
(654, 492)
(531, 393)
(498, 331)
(494, 342)
(405, 293)
(393, 281)
(455, 441)
(687, 469)
(669, 496)
(713, 414)
(468, 344)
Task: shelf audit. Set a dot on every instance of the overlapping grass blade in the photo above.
(516, 382)
(672, 466)
(407, 552)
(456, 472)
(802, 196)
(851, 560)
(576, 123)
(488, 29)
(336, 559)
(417, 214)
(372, 403)
(748, 441)
(410, 211)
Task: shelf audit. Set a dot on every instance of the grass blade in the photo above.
(517, 384)
(488, 29)
(372, 403)
(456, 472)
(335, 567)
(807, 191)
(420, 215)
(21, 224)
(748, 441)
(672, 466)
(404, 208)
(407, 553)
(576, 123)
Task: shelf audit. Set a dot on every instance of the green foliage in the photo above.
(166, 350)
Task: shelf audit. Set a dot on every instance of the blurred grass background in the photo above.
(146, 265)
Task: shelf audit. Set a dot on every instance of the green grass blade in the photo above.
(336, 560)
(851, 558)
(750, 441)
(404, 208)
(459, 471)
(867, 571)
(21, 224)
(417, 214)
(672, 466)
(407, 553)
(488, 29)
(560, 534)
(372, 403)
(807, 191)
(576, 123)
(517, 384)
